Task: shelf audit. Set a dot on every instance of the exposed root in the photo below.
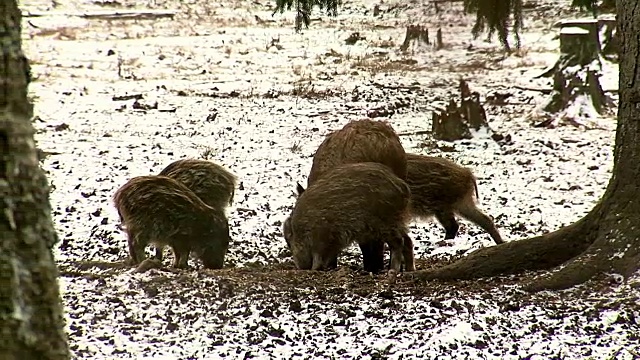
(604, 255)
(578, 271)
(538, 253)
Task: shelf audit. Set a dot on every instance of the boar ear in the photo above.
(299, 188)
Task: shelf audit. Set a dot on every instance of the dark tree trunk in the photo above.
(607, 239)
(31, 322)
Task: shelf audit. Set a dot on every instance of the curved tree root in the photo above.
(609, 252)
(538, 253)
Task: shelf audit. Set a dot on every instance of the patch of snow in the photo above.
(234, 102)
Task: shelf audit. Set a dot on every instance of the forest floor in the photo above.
(227, 81)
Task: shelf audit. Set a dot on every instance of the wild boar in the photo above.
(441, 188)
(162, 211)
(363, 203)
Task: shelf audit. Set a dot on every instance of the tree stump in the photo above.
(455, 123)
(590, 41)
(439, 44)
(577, 96)
(415, 33)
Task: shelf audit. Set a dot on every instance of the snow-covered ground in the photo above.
(249, 93)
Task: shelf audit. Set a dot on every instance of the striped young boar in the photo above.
(360, 141)
(442, 188)
(365, 203)
(211, 182)
(162, 211)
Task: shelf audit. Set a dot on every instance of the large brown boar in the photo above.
(211, 182)
(365, 203)
(360, 141)
(442, 188)
(162, 211)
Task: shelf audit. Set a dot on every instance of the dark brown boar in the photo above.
(365, 203)
(162, 211)
(442, 188)
(211, 182)
(360, 141)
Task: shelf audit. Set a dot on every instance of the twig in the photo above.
(122, 14)
(86, 275)
(127, 97)
(419, 132)
(548, 91)
(544, 91)
(395, 87)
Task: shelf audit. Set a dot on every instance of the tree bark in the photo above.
(415, 33)
(31, 322)
(607, 239)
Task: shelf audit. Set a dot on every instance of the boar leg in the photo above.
(136, 247)
(396, 248)
(159, 252)
(329, 261)
(372, 256)
(407, 252)
(180, 256)
(471, 212)
(333, 263)
(448, 221)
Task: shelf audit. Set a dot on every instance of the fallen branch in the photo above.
(544, 91)
(127, 97)
(122, 14)
(396, 87)
(419, 132)
(548, 91)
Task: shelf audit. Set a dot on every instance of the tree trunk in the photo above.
(31, 322)
(607, 239)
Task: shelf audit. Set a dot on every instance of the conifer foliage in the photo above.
(584, 4)
(493, 16)
(304, 8)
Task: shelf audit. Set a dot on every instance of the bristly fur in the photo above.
(162, 211)
(363, 203)
(211, 182)
(360, 141)
(442, 188)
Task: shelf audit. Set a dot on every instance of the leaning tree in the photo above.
(605, 240)
(31, 321)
